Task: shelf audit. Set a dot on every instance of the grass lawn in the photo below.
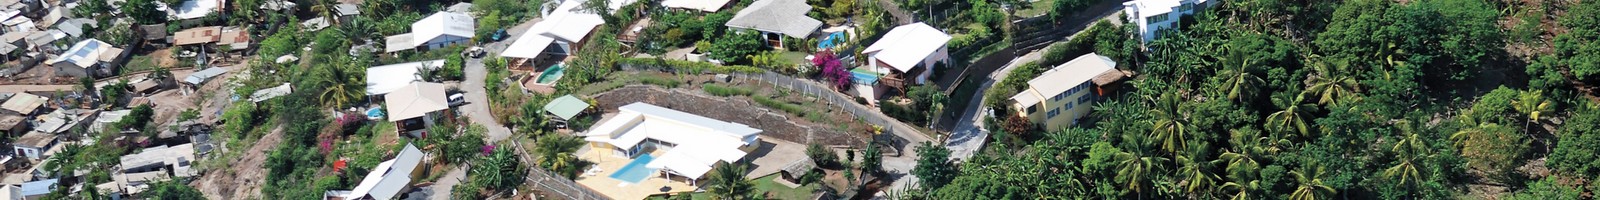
(796, 57)
(766, 184)
(778, 191)
(1040, 7)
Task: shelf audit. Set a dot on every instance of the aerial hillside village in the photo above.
(799, 99)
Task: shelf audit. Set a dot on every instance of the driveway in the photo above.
(477, 108)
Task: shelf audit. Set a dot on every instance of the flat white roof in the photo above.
(701, 5)
(270, 93)
(1068, 75)
(383, 79)
(161, 155)
(195, 9)
(906, 45)
(700, 142)
(1147, 8)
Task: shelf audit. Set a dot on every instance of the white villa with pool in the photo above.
(675, 143)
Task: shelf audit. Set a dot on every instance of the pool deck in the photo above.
(617, 189)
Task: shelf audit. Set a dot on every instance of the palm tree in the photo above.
(1292, 117)
(1197, 175)
(1240, 79)
(1310, 184)
(1333, 84)
(338, 88)
(1407, 149)
(1241, 189)
(326, 9)
(727, 182)
(1170, 124)
(1533, 104)
(1134, 167)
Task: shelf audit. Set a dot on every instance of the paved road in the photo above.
(478, 107)
(969, 135)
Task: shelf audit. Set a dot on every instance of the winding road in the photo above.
(969, 135)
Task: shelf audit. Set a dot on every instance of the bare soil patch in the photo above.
(243, 180)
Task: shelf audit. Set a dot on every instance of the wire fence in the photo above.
(554, 184)
(844, 102)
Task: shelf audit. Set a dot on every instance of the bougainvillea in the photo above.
(832, 69)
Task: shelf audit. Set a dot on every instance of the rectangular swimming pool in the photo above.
(635, 171)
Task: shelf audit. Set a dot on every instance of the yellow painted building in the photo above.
(1060, 96)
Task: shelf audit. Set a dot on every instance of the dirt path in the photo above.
(244, 179)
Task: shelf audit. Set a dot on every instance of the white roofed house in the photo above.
(564, 30)
(193, 12)
(776, 19)
(1154, 16)
(697, 5)
(152, 164)
(384, 79)
(435, 31)
(415, 107)
(89, 58)
(678, 144)
(1060, 96)
(904, 56)
(389, 179)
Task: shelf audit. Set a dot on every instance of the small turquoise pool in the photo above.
(549, 76)
(635, 171)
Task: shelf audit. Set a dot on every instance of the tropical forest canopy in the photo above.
(1282, 99)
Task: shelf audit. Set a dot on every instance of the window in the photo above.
(1185, 7)
(1086, 97)
(1033, 108)
(1068, 106)
(1052, 114)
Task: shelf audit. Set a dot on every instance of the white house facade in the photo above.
(1153, 16)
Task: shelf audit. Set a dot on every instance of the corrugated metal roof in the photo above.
(25, 103)
(566, 107)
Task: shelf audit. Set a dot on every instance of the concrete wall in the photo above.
(68, 69)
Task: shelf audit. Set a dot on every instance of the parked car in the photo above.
(473, 52)
(458, 99)
(498, 35)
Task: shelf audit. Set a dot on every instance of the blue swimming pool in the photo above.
(635, 171)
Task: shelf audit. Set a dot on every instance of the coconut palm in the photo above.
(1533, 104)
(727, 182)
(1134, 168)
(1310, 186)
(1332, 84)
(1407, 149)
(1293, 118)
(1197, 175)
(1170, 124)
(338, 89)
(1240, 78)
(1241, 189)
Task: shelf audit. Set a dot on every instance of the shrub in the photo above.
(785, 107)
(821, 155)
(659, 81)
(724, 91)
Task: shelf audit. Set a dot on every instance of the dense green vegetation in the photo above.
(1359, 99)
